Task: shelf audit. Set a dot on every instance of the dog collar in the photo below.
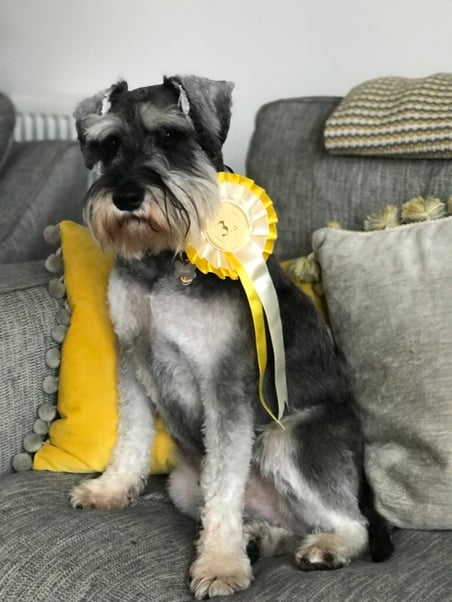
(236, 244)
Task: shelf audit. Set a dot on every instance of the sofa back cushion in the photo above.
(309, 186)
(41, 183)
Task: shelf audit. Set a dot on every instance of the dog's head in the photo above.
(156, 150)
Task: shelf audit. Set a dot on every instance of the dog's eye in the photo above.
(167, 137)
(110, 145)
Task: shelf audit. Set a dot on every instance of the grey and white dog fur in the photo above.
(188, 354)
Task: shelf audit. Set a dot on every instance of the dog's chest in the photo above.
(184, 345)
(201, 330)
(165, 323)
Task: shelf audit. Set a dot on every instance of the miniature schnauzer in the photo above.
(188, 353)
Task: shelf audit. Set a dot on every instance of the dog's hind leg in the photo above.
(184, 488)
(264, 539)
(318, 487)
(331, 550)
(126, 473)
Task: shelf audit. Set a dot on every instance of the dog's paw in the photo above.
(320, 552)
(219, 575)
(103, 493)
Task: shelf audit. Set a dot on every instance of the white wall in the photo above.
(57, 51)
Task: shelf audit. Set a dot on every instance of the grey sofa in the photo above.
(51, 552)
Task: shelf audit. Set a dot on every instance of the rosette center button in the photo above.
(230, 229)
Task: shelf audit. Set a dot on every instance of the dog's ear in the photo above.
(91, 109)
(207, 103)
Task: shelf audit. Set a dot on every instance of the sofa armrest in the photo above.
(27, 317)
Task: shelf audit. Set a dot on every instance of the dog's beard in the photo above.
(168, 213)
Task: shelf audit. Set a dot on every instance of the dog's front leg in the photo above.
(126, 473)
(222, 566)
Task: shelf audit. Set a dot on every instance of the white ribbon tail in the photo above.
(250, 256)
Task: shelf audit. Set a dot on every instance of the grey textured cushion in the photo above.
(389, 297)
(7, 123)
(55, 553)
(41, 183)
(309, 186)
(27, 316)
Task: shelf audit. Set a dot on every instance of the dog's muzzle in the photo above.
(128, 198)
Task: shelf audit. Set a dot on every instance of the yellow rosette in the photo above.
(236, 244)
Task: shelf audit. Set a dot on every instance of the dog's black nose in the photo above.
(128, 198)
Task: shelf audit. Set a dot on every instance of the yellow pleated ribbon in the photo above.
(236, 244)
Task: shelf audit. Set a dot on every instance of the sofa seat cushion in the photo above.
(48, 551)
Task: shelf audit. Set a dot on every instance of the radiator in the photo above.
(43, 126)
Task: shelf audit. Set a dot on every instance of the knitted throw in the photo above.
(394, 116)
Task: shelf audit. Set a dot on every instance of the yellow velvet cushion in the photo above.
(308, 289)
(82, 439)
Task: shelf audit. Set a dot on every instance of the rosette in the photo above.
(236, 244)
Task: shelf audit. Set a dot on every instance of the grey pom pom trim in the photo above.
(59, 333)
(32, 442)
(63, 317)
(56, 288)
(50, 385)
(53, 358)
(47, 412)
(52, 235)
(54, 263)
(22, 462)
(40, 427)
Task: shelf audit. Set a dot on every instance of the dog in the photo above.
(186, 350)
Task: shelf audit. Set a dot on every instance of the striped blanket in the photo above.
(394, 116)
